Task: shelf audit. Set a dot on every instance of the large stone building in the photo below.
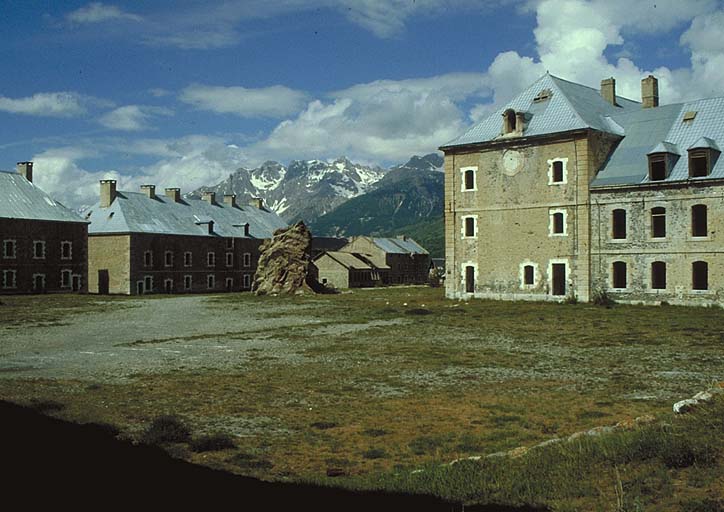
(141, 242)
(44, 244)
(569, 191)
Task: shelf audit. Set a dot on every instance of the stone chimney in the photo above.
(246, 229)
(26, 170)
(174, 194)
(230, 200)
(608, 90)
(402, 237)
(108, 192)
(209, 197)
(650, 92)
(149, 190)
(257, 202)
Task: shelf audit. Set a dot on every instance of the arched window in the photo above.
(528, 275)
(658, 222)
(619, 274)
(700, 275)
(658, 275)
(509, 122)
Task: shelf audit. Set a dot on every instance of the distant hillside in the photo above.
(407, 200)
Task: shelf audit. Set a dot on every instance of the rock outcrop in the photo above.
(284, 263)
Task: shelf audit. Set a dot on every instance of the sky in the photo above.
(181, 93)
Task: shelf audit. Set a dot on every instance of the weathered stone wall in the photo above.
(678, 249)
(331, 273)
(25, 232)
(404, 268)
(109, 255)
(512, 203)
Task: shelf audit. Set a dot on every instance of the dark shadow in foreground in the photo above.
(49, 461)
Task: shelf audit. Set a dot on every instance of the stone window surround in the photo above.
(10, 279)
(551, 223)
(149, 280)
(564, 161)
(227, 281)
(629, 267)
(69, 282)
(463, 170)
(69, 244)
(651, 214)
(625, 239)
(211, 259)
(210, 281)
(147, 258)
(168, 262)
(37, 243)
(165, 282)
(691, 230)
(35, 276)
(463, 272)
(247, 259)
(536, 275)
(569, 284)
(188, 259)
(463, 226)
(10, 242)
(650, 276)
(229, 259)
(188, 280)
(700, 291)
(246, 281)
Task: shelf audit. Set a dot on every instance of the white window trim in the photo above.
(247, 259)
(246, 281)
(42, 244)
(565, 171)
(45, 284)
(70, 250)
(210, 281)
(150, 259)
(188, 278)
(551, 224)
(629, 267)
(190, 259)
(569, 283)
(229, 259)
(69, 272)
(14, 245)
(211, 259)
(475, 227)
(521, 275)
(462, 276)
(165, 259)
(475, 178)
(226, 283)
(165, 282)
(12, 283)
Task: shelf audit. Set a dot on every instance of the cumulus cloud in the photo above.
(97, 12)
(132, 117)
(274, 101)
(52, 104)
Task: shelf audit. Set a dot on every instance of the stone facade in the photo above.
(347, 270)
(39, 256)
(398, 267)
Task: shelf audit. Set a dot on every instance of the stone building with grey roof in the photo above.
(398, 260)
(569, 191)
(143, 242)
(44, 244)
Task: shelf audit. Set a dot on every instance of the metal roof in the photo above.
(134, 212)
(348, 260)
(21, 199)
(569, 106)
(399, 246)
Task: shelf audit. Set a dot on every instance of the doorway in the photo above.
(558, 271)
(103, 281)
(75, 283)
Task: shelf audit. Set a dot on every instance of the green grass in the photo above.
(373, 393)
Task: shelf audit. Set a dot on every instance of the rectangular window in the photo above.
(187, 259)
(65, 278)
(39, 282)
(187, 282)
(148, 284)
(168, 258)
(147, 258)
(470, 226)
(557, 224)
(619, 274)
(528, 275)
(9, 279)
(700, 275)
(699, 221)
(619, 224)
(658, 275)
(38, 249)
(556, 172)
(247, 281)
(229, 259)
(211, 259)
(468, 178)
(658, 222)
(210, 281)
(247, 259)
(469, 279)
(9, 249)
(229, 284)
(66, 250)
(657, 167)
(698, 164)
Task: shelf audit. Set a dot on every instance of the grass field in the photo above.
(383, 383)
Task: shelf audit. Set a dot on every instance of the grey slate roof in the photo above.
(399, 246)
(134, 212)
(570, 106)
(348, 260)
(21, 199)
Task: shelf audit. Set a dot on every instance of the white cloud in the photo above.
(131, 117)
(97, 12)
(274, 101)
(52, 104)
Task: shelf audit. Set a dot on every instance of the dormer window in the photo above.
(702, 157)
(661, 160)
(509, 121)
(543, 95)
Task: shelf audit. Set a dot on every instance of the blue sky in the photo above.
(182, 93)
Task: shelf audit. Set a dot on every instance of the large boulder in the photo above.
(284, 263)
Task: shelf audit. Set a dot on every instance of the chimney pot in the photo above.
(257, 202)
(26, 170)
(209, 197)
(108, 192)
(246, 229)
(650, 92)
(174, 194)
(149, 190)
(230, 200)
(608, 90)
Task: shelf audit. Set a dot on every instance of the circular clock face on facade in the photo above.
(512, 162)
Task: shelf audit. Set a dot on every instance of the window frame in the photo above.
(147, 260)
(653, 274)
(246, 257)
(210, 281)
(188, 282)
(69, 273)
(564, 171)
(655, 159)
(168, 258)
(69, 245)
(615, 274)
(246, 281)
(10, 242)
(211, 259)
(694, 276)
(658, 213)
(696, 221)
(463, 175)
(552, 223)
(38, 243)
(229, 259)
(464, 227)
(614, 224)
(13, 284)
(697, 154)
(188, 258)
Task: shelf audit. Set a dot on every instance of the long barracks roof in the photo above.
(21, 199)
(399, 245)
(568, 106)
(134, 212)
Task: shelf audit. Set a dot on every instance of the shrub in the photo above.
(166, 429)
(212, 443)
(602, 298)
